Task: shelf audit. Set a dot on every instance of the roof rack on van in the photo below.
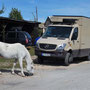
(66, 21)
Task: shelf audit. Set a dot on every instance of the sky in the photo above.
(46, 8)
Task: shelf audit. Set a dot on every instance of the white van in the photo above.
(65, 37)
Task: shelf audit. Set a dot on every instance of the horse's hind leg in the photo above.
(14, 64)
(21, 66)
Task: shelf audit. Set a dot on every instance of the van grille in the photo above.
(47, 46)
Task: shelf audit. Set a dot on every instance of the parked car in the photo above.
(19, 37)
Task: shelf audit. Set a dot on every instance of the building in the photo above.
(7, 24)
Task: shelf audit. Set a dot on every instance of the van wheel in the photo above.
(89, 57)
(68, 59)
(40, 60)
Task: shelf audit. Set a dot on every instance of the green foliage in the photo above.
(1, 25)
(35, 33)
(32, 50)
(15, 14)
(2, 10)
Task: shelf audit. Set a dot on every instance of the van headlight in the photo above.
(61, 47)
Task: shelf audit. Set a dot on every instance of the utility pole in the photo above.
(36, 14)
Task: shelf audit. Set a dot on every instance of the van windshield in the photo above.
(57, 31)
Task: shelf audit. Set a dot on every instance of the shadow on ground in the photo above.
(60, 62)
(17, 72)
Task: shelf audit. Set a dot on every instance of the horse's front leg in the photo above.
(13, 68)
(21, 66)
(0, 72)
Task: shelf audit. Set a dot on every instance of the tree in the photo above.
(15, 14)
(2, 27)
(37, 32)
(2, 10)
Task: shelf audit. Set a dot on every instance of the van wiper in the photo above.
(44, 36)
(59, 37)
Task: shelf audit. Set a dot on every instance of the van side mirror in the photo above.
(41, 34)
(74, 37)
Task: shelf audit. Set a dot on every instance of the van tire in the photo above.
(40, 60)
(88, 57)
(68, 59)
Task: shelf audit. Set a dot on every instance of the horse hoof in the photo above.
(13, 73)
(0, 73)
(21, 74)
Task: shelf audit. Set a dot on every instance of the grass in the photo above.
(8, 63)
(32, 50)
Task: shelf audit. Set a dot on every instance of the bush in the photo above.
(37, 32)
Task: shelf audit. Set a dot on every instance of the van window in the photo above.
(20, 35)
(75, 34)
(27, 35)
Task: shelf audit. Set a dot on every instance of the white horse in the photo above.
(17, 51)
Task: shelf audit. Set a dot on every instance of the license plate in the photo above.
(46, 54)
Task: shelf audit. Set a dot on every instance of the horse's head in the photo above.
(30, 69)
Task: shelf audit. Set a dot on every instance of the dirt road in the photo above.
(49, 76)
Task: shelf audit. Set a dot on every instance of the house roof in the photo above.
(6, 20)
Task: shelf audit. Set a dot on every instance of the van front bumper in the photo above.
(53, 54)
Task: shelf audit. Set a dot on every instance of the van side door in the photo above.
(75, 42)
